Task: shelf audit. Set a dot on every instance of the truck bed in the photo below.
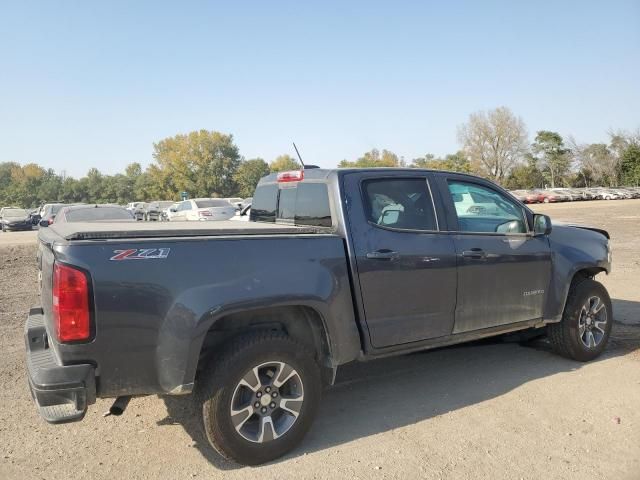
(126, 230)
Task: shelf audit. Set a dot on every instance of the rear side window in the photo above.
(403, 203)
(312, 205)
(97, 214)
(302, 204)
(265, 201)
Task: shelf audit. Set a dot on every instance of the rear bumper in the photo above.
(19, 226)
(61, 392)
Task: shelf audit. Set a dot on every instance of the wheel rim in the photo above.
(592, 322)
(267, 401)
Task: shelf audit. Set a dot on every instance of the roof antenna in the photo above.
(298, 153)
(304, 167)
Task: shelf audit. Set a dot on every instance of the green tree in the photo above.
(374, 158)
(202, 163)
(248, 174)
(283, 163)
(456, 162)
(553, 157)
(630, 165)
(525, 176)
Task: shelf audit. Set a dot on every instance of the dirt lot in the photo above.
(490, 410)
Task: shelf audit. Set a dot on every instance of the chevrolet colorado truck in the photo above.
(334, 266)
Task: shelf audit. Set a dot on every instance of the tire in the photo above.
(219, 390)
(566, 337)
(545, 200)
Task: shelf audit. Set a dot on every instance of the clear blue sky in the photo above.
(87, 84)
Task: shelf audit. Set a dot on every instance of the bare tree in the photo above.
(494, 141)
(601, 160)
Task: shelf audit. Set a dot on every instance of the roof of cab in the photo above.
(325, 173)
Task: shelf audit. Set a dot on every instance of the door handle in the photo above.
(383, 254)
(475, 253)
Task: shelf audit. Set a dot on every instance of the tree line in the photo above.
(493, 144)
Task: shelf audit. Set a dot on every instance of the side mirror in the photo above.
(541, 224)
(43, 223)
(173, 210)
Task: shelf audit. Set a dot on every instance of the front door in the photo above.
(406, 267)
(503, 270)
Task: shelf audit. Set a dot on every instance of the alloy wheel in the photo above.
(592, 322)
(267, 401)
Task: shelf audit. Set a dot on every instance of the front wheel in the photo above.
(586, 322)
(260, 397)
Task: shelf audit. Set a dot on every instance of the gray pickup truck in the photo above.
(254, 318)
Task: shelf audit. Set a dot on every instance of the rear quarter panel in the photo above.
(151, 315)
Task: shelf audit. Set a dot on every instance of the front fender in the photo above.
(573, 249)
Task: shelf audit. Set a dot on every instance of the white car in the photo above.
(203, 209)
(171, 211)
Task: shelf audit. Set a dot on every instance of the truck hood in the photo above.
(584, 227)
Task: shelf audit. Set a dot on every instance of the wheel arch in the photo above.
(303, 322)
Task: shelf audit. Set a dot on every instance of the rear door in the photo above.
(503, 270)
(406, 266)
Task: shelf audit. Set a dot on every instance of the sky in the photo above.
(95, 84)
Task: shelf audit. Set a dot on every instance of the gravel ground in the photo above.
(488, 410)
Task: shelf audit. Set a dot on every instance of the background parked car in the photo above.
(203, 209)
(170, 211)
(49, 210)
(16, 219)
(93, 213)
(137, 209)
(155, 210)
(526, 196)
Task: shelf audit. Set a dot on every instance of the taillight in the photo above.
(50, 220)
(292, 176)
(70, 304)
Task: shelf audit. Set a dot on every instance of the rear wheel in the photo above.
(260, 398)
(586, 322)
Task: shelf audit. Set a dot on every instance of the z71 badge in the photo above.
(140, 254)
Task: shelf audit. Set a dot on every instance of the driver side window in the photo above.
(484, 210)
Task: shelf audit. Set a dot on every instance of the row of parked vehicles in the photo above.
(211, 209)
(199, 209)
(552, 195)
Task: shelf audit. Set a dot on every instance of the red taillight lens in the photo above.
(292, 176)
(70, 304)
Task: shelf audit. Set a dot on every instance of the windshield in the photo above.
(212, 203)
(15, 212)
(97, 214)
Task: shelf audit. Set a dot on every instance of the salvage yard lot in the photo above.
(487, 410)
